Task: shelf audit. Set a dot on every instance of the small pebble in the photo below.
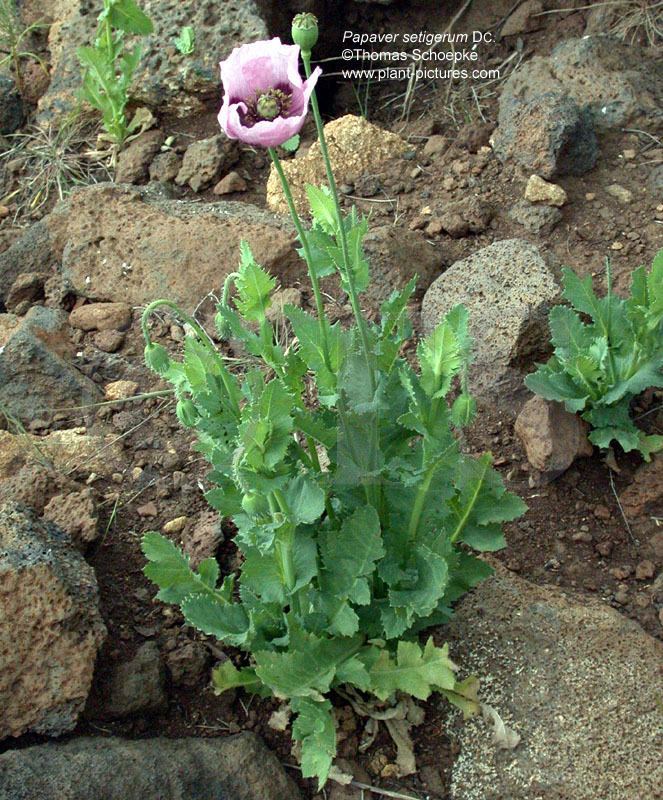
(175, 525)
(644, 571)
(147, 510)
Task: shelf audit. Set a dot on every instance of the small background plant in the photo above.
(15, 41)
(598, 367)
(185, 41)
(109, 65)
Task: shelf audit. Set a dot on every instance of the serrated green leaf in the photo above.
(305, 499)
(185, 41)
(306, 671)
(441, 355)
(126, 16)
(568, 332)
(314, 728)
(169, 568)
(227, 621)
(226, 676)
(254, 286)
(209, 572)
(323, 209)
(349, 556)
(552, 383)
(413, 671)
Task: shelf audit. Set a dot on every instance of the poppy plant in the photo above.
(265, 100)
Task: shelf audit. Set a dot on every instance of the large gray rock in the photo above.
(50, 627)
(232, 768)
(615, 82)
(579, 682)
(125, 244)
(37, 375)
(548, 134)
(166, 80)
(508, 289)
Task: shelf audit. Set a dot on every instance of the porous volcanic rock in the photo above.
(579, 682)
(37, 374)
(237, 767)
(125, 244)
(166, 80)
(508, 289)
(50, 626)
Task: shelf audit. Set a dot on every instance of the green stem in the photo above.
(420, 499)
(349, 275)
(315, 283)
(463, 520)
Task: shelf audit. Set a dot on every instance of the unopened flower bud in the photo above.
(157, 358)
(305, 31)
(186, 413)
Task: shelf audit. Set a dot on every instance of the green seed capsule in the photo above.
(305, 31)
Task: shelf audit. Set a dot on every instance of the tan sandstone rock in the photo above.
(552, 437)
(355, 146)
(50, 626)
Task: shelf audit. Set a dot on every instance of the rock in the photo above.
(31, 485)
(614, 82)
(537, 219)
(435, 145)
(175, 525)
(508, 289)
(165, 81)
(120, 390)
(645, 570)
(570, 681)
(205, 160)
(101, 317)
(540, 191)
(179, 250)
(109, 768)
(50, 627)
(523, 18)
(11, 106)
(134, 160)
(36, 371)
(108, 341)
(75, 513)
(28, 287)
(74, 450)
(136, 686)
(644, 496)
(620, 193)
(233, 182)
(165, 167)
(8, 326)
(548, 134)
(202, 540)
(188, 664)
(552, 437)
(470, 215)
(39, 249)
(395, 255)
(280, 299)
(356, 146)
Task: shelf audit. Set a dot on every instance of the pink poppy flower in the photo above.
(265, 100)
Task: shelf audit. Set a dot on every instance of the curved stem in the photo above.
(315, 283)
(200, 333)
